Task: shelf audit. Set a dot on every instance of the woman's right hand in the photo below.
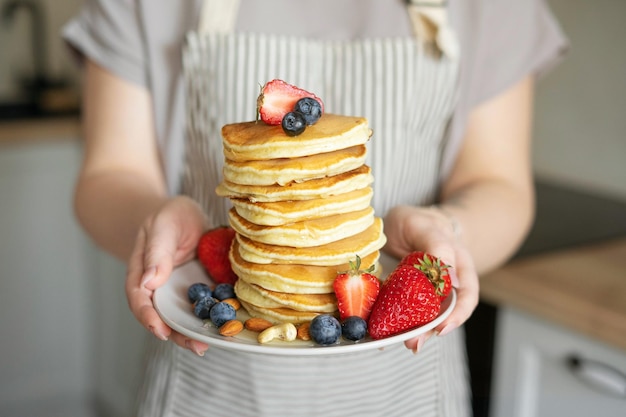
(121, 196)
(166, 239)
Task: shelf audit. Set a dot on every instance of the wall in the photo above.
(580, 132)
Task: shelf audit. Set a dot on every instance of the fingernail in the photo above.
(420, 343)
(157, 334)
(447, 329)
(192, 348)
(454, 279)
(148, 275)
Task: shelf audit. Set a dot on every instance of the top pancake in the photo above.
(259, 141)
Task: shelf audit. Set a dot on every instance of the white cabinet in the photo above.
(120, 341)
(46, 312)
(532, 377)
(70, 346)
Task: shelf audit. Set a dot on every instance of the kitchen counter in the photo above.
(572, 268)
(582, 288)
(39, 129)
(570, 271)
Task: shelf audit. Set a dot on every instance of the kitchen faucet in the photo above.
(38, 47)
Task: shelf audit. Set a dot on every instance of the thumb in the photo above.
(158, 260)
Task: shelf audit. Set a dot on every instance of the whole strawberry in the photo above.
(212, 253)
(277, 98)
(436, 270)
(407, 300)
(356, 290)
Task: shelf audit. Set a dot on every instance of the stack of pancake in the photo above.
(302, 211)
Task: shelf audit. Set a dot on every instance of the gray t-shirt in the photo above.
(501, 42)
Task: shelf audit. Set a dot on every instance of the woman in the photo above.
(450, 155)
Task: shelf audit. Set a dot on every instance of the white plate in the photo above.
(173, 306)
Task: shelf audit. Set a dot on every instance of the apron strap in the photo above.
(218, 16)
(431, 25)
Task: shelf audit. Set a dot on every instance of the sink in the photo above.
(30, 110)
(18, 110)
(50, 102)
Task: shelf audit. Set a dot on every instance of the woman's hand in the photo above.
(492, 189)
(121, 196)
(430, 230)
(166, 239)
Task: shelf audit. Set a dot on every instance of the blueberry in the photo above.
(354, 328)
(197, 291)
(293, 123)
(310, 108)
(222, 312)
(202, 307)
(224, 291)
(325, 329)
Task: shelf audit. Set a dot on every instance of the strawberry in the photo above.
(407, 300)
(436, 270)
(277, 98)
(212, 252)
(356, 291)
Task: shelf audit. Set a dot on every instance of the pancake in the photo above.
(246, 292)
(259, 296)
(306, 233)
(293, 278)
(335, 253)
(279, 315)
(355, 179)
(285, 212)
(259, 141)
(285, 170)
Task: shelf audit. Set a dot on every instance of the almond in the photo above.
(231, 328)
(257, 324)
(303, 331)
(233, 302)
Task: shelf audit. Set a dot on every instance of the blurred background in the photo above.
(545, 341)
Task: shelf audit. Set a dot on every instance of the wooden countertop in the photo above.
(582, 288)
(42, 129)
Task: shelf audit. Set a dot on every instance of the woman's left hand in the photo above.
(429, 229)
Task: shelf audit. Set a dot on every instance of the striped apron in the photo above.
(407, 91)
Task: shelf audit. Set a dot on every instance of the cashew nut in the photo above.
(285, 331)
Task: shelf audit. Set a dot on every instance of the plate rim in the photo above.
(276, 348)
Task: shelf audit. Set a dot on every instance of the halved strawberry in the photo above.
(277, 98)
(356, 291)
(434, 268)
(212, 253)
